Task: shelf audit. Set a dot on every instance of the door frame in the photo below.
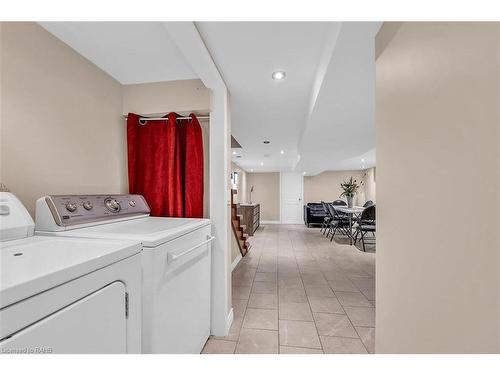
(301, 199)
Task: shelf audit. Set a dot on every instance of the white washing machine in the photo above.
(176, 261)
(66, 295)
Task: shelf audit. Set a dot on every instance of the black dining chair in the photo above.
(327, 219)
(338, 222)
(366, 224)
(340, 202)
(368, 204)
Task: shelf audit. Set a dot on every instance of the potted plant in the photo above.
(350, 188)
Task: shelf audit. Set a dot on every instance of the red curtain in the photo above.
(165, 164)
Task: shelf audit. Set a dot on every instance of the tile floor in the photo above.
(297, 292)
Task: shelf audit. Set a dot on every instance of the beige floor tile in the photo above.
(361, 316)
(293, 282)
(334, 325)
(239, 310)
(240, 302)
(242, 280)
(261, 319)
(288, 274)
(241, 292)
(265, 287)
(295, 311)
(296, 350)
(309, 269)
(363, 282)
(343, 286)
(286, 261)
(267, 268)
(263, 301)
(244, 270)
(219, 347)
(292, 295)
(266, 276)
(296, 333)
(256, 341)
(314, 279)
(342, 345)
(352, 299)
(367, 336)
(326, 305)
(319, 291)
(334, 275)
(369, 293)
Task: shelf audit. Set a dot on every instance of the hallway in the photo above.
(296, 292)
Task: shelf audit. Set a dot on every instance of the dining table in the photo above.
(351, 212)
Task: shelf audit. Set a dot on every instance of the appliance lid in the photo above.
(38, 263)
(15, 221)
(151, 231)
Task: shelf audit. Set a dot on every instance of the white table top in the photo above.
(347, 210)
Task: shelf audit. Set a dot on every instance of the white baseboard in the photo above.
(236, 261)
(229, 320)
(270, 222)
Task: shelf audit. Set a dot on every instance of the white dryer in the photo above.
(66, 295)
(176, 261)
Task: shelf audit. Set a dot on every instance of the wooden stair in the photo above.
(239, 230)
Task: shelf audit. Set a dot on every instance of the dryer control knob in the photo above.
(71, 207)
(112, 204)
(88, 206)
(131, 203)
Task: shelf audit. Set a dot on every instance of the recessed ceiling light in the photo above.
(261, 163)
(304, 173)
(234, 152)
(279, 75)
(251, 170)
(362, 160)
(266, 142)
(282, 152)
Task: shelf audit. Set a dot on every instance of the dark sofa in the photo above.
(314, 214)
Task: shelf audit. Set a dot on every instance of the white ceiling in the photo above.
(130, 52)
(246, 54)
(340, 132)
(321, 115)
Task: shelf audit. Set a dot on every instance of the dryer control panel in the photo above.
(77, 210)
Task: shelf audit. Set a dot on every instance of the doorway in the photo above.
(292, 191)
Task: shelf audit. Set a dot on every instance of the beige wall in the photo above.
(241, 196)
(326, 186)
(267, 193)
(68, 114)
(161, 97)
(369, 183)
(178, 96)
(437, 122)
(61, 124)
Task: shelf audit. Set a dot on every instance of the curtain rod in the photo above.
(166, 118)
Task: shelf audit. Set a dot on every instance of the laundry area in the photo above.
(111, 239)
